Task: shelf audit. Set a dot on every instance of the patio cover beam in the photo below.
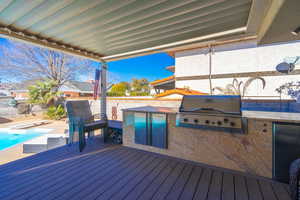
(43, 42)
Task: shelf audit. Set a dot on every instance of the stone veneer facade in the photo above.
(250, 153)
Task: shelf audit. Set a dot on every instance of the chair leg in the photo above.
(81, 133)
(91, 134)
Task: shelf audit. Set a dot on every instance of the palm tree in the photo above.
(239, 87)
(44, 92)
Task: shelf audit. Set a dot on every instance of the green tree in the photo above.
(140, 87)
(119, 89)
(43, 92)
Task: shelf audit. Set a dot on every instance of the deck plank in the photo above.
(44, 184)
(26, 183)
(134, 192)
(240, 188)
(228, 187)
(215, 188)
(169, 182)
(87, 170)
(204, 183)
(126, 184)
(155, 185)
(105, 184)
(267, 190)
(52, 155)
(192, 183)
(96, 184)
(253, 189)
(178, 187)
(28, 174)
(134, 188)
(280, 191)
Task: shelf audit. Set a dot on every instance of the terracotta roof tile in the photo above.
(180, 91)
(162, 80)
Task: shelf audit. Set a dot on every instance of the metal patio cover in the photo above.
(112, 29)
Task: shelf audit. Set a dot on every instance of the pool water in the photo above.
(9, 138)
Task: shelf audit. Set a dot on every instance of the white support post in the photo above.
(103, 90)
(210, 66)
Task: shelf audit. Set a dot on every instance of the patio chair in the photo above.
(82, 120)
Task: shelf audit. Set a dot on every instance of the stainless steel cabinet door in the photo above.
(141, 128)
(159, 130)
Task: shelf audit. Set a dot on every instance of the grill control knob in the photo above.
(185, 120)
(226, 120)
(232, 124)
(206, 121)
(196, 120)
(219, 123)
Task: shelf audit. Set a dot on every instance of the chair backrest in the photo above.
(79, 109)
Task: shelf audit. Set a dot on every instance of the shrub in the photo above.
(56, 112)
(116, 94)
(139, 93)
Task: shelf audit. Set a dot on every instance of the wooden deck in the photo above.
(116, 172)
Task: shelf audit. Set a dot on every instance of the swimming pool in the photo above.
(10, 137)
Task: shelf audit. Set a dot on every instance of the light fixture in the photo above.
(296, 31)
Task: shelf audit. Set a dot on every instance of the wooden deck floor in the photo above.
(116, 172)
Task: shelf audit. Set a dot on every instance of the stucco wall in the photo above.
(237, 58)
(120, 104)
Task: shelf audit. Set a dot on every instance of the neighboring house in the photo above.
(239, 60)
(165, 88)
(77, 89)
(162, 85)
(70, 89)
(5, 89)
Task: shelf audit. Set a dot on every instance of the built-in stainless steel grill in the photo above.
(212, 112)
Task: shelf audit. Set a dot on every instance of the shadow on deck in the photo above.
(117, 172)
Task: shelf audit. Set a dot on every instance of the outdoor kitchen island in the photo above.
(251, 152)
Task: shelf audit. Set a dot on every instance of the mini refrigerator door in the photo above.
(286, 149)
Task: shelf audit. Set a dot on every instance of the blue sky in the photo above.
(151, 67)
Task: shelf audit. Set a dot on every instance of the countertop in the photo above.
(154, 109)
(273, 116)
(260, 115)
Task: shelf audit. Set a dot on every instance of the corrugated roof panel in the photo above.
(72, 10)
(48, 7)
(157, 13)
(16, 10)
(118, 26)
(109, 16)
(213, 10)
(4, 4)
(191, 25)
(179, 35)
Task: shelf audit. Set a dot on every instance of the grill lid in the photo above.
(219, 104)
